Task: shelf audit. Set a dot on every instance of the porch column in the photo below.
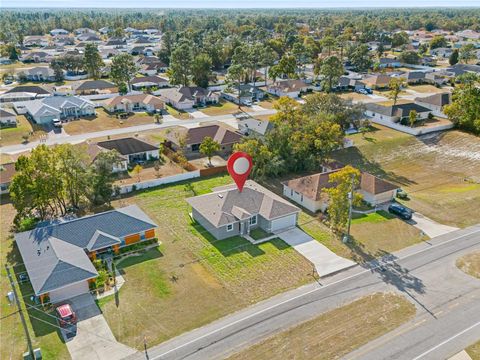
(116, 249)
(92, 255)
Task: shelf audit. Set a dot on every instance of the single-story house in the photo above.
(35, 40)
(7, 118)
(186, 97)
(92, 87)
(146, 82)
(376, 81)
(56, 32)
(441, 52)
(44, 111)
(93, 150)
(129, 103)
(24, 93)
(6, 175)
(395, 113)
(308, 190)
(414, 77)
(152, 68)
(84, 30)
(438, 77)
(227, 212)
(349, 83)
(36, 57)
(193, 137)
(57, 255)
(39, 73)
(248, 93)
(435, 102)
(389, 63)
(132, 148)
(290, 88)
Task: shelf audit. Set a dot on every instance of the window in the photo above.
(253, 220)
(301, 199)
(229, 227)
(291, 192)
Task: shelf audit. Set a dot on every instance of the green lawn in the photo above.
(222, 108)
(197, 278)
(439, 172)
(13, 135)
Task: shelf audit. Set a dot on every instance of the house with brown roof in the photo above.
(377, 81)
(193, 137)
(290, 88)
(7, 171)
(308, 191)
(130, 103)
(227, 212)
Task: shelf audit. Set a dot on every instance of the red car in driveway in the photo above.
(66, 315)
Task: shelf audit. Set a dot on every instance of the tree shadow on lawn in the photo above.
(354, 157)
(133, 259)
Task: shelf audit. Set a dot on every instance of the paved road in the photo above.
(447, 301)
(169, 121)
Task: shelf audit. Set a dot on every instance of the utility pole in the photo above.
(346, 237)
(20, 311)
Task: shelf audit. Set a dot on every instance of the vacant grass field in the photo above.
(336, 332)
(13, 135)
(104, 121)
(222, 108)
(440, 172)
(427, 89)
(198, 279)
(470, 264)
(474, 351)
(13, 342)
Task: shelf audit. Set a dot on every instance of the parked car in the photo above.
(66, 316)
(402, 194)
(57, 123)
(362, 91)
(247, 103)
(400, 211)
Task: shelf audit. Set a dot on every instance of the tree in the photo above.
(157, 167)
(399, 39)
(412, 117)
(409, 57)
(57, 71)
(123, 69)
(467, 53)
(208, 147)
(137, 170)
(201, 70)
(395, 85)
(328, 42)
(438, 41)
(464, 111)
(102, 177)
(360, 58)
(453, 59)
(235, 74)
(331, 69)
(181, 62)
(267, 58)
(345, 181)
(92, 61)
(287, 65)
(72, 63)
(11, 51)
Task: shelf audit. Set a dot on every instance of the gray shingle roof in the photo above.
(54, 254)
(226, 204)
(127, 146)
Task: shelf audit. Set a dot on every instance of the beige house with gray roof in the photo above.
(227, 212)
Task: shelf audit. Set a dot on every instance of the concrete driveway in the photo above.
(325, 261)
(197, 114)
(430, 227)
(94, 339)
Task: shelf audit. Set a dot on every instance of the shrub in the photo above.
(26, 224)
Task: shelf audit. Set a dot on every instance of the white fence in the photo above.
(412, 131)
(124, 189)
(76, 77)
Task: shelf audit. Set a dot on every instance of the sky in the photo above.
(236, 3)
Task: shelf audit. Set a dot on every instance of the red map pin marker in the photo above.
(239, 166)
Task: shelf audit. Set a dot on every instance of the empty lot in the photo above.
(440, 172)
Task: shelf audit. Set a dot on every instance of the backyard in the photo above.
(320, 338)
(440, 171)
(221, 276)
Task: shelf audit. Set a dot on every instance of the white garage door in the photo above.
(284, 222)
(69, 292)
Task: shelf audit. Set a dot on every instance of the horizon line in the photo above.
(251, 8)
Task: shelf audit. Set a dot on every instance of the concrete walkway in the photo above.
(94, 339)
(461, 356)
(430, 227)
(325, 261)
